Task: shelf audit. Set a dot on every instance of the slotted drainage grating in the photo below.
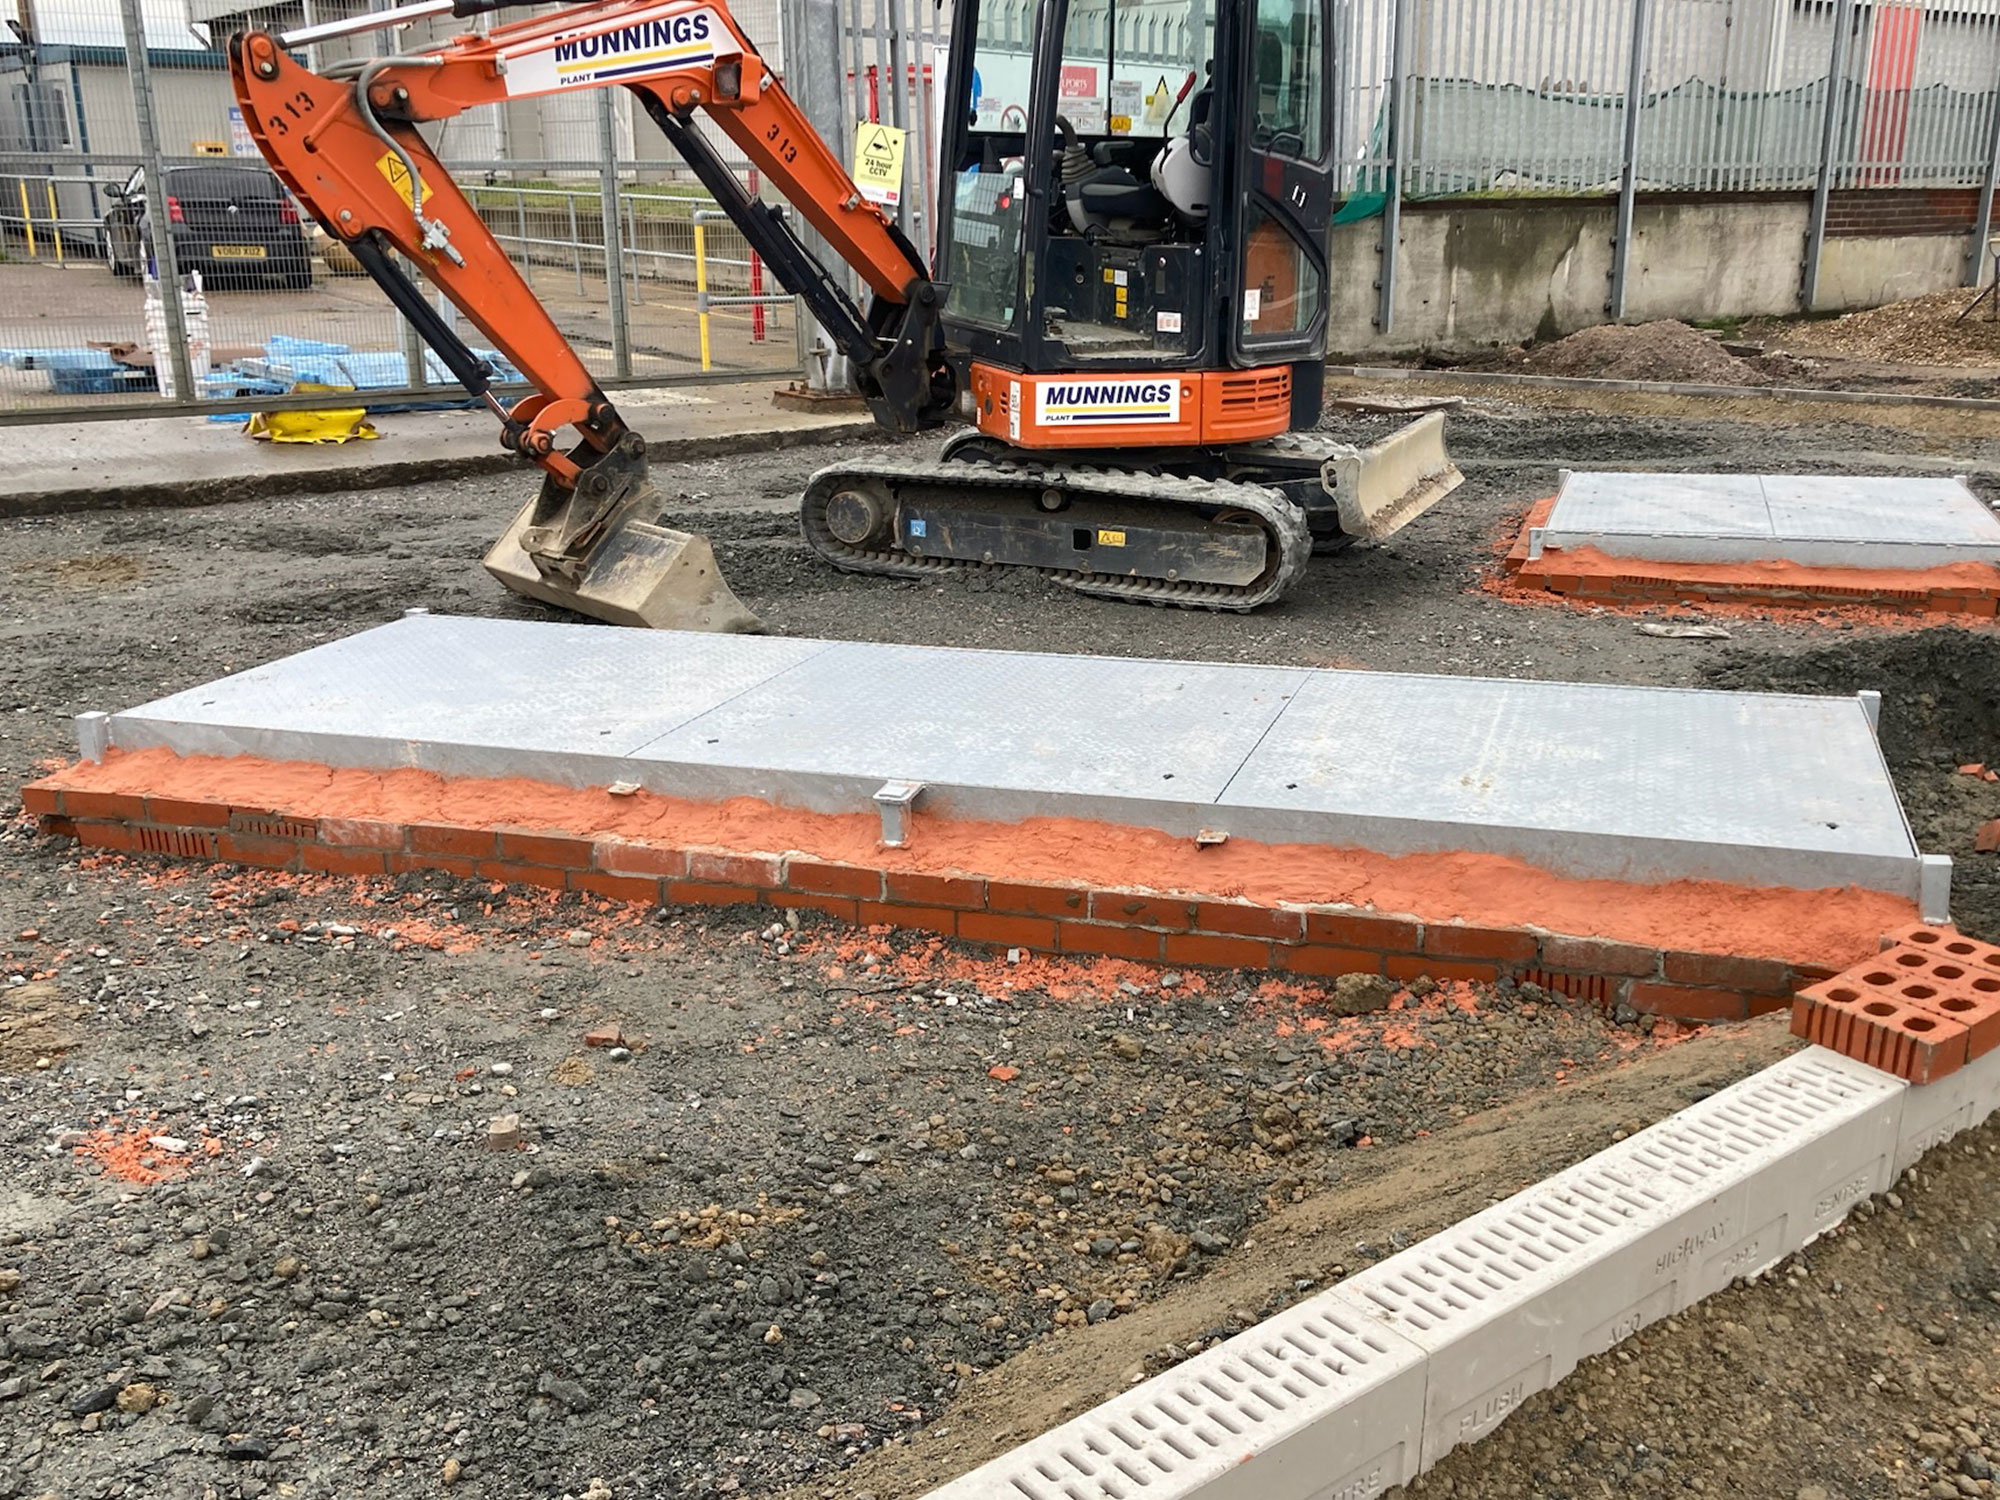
(1323, 1401)
(1364, 1386)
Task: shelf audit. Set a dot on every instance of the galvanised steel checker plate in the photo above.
(465, 696)
(1819, 520)
(1098, 729)
(1591, 781)
(1656, 781)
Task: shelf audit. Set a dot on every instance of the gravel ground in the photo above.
(842, 1212)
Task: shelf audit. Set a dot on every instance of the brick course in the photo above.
(1859, 213)
(1321, 942)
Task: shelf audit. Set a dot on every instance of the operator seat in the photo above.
(1106, 199)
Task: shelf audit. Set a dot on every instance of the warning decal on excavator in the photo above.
(878, 163)
(390, 165)
(656, 43)
(1070, 403)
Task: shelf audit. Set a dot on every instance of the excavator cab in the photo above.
(1136, 191)
(1135, 207)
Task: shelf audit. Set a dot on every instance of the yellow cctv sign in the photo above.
(878, 163)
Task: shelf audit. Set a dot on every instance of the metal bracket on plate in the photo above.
(1537, 537)
(1934, 888)
(1871, 705)
(894, 800)
(93, 735)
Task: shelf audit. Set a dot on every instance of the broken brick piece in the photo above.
(604, 1034)
(1987, 840)
(1003, 1072)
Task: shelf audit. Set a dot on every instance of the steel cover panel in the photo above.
(1813, 520)
(1730, 505)
(1600, 782)
(1929, 512)
(1739, 771)
(519, 688)
(1099, 727)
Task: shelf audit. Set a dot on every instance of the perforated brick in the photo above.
(1874, 1018)
(1950, 981)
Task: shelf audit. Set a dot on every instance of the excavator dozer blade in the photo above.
(639, 573)
(1381, 489)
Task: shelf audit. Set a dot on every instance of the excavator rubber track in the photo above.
(1289, 542)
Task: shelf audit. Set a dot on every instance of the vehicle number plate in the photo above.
(239, 252)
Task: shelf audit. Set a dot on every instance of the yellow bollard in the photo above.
(27, 219)
(701, 287)
(55, 219)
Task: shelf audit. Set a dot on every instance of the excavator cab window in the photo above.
(1125, 278)
(1284, 146)
(982, 264)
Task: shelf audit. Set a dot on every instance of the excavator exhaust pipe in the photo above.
(1381, 489)
(634, 572)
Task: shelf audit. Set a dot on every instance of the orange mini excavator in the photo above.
(1129, 301)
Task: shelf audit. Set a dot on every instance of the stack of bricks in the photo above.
(1319, 941)
(1922, 1009)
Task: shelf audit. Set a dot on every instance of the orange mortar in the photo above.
(1824, 928)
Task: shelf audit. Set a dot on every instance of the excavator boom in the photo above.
(346, 143)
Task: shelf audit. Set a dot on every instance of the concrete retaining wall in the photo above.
(1500, 271)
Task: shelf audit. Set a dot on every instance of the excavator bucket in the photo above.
(637, 573)
(1381, 489)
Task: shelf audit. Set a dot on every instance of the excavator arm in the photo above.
(346, 143)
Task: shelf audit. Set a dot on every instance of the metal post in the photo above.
(815, 62)
(899, 113)
(880, 74)
(632, 238)
(521, 235)
(1628, 180)
(614, 236)
(701, 283)
(416, 363)
(1392, 208)
(850, 63)
(1975, 259)
(575, 240)
(164, 254)
(1829, 143)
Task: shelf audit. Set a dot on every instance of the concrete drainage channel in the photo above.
(1367, 1385)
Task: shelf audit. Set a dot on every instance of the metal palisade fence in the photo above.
(118, 114)
(1623, 97)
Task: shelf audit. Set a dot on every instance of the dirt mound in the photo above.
(1921, 331)
(1666, 350)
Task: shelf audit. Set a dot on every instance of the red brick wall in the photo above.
(1862, 212)
(1197, 931)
